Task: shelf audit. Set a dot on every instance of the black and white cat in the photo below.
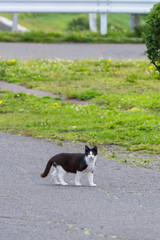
(77, 163)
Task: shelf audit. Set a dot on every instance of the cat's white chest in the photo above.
(91, 164)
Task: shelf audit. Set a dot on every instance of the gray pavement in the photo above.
(27, 51)
(124, 205)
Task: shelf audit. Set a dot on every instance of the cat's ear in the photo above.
(86, 148)
(95, 147)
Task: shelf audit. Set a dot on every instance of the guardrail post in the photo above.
(103, 23)
(93, 22)
(15, 22)
(134, 21)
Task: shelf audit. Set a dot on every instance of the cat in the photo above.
(77, 163)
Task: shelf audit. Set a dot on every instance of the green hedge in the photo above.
(153, 36)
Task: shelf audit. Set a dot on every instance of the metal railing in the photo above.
(79, 6)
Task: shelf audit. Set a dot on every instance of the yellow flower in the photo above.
(13, 60)
(6, 106)
(150, 67)
(0, 57)
(55, 104)
(1, 101)
(109, 60)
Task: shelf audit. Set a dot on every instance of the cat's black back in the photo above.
(71, 162)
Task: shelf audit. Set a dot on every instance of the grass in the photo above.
(53, 22)
(124, 106)
(70, 36)
(49, 22)
(51, 28)
(85, 79)
(45, 117)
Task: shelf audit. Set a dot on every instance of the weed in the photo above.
(113, 154)
(88, 94)
(2, 70)
(132, 77)
(79, 24)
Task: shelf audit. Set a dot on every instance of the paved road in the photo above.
(72, 51)
(125, 205)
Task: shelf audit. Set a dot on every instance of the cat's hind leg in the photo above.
(54, 176)
(78, 178)
(61, 173)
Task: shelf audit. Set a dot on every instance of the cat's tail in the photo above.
(47, 169)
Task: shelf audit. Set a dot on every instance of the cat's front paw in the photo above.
(93, 185)
(64, 184)
(78, 184)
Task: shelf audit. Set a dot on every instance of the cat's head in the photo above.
(91, 152)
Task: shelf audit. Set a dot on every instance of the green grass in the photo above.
(45, 117)
(124, 100)
(70, 36)
(101, 78)
(53, 28)
(51, 22)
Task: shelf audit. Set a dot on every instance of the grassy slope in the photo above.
(49, 22)
(127, 94)
(52, 28)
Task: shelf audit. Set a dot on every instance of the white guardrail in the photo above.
(79, 6)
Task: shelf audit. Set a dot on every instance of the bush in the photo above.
(79, 24)
(140, 30)
(115, 27)
(153, 36)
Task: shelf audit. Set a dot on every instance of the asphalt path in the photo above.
(26, 51)
(124, 205)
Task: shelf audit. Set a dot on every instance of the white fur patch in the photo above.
(91, 161)
(59, 173)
